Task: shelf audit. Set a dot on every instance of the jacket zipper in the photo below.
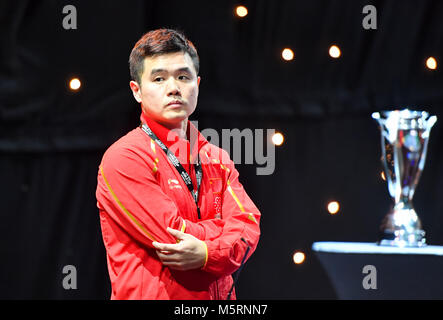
(192, 171)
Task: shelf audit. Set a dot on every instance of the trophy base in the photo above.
(401, 238)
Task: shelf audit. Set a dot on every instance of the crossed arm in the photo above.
(213, 244)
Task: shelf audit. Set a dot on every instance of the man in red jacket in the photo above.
(175, 220)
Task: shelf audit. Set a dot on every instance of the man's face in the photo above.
(169, 88)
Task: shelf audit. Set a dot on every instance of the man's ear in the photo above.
(198, 81)
(135, 88)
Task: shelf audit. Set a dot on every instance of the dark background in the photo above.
(52, 140)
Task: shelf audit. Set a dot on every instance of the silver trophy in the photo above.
(404, 142)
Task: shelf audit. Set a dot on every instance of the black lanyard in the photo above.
(185, 176)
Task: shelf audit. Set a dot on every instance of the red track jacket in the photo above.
(140, 194)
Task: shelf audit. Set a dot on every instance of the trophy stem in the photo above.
(401, 227)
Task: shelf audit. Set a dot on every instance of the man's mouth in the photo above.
(175, 104)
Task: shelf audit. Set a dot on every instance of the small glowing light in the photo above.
(278, 139)
(75, 84)
(298, 257)
(287, 54)
(333, 207)
(334, 51)
(382, 174)
(241, 11)
(431, 63)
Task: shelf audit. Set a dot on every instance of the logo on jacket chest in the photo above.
(174, 184)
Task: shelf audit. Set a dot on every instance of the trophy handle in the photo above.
(432, 120)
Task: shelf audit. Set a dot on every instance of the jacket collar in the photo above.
(176, 144)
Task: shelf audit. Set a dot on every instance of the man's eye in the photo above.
(158, 79)
(183, 77)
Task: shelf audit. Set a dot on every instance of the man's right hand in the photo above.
(189, 253)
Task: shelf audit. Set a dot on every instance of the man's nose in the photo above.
(173, 88)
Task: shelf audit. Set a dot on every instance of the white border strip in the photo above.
(373, 248)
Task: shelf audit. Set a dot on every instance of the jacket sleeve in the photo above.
(241, 229)
(137, 202)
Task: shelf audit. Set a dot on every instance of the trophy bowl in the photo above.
(404, 142)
